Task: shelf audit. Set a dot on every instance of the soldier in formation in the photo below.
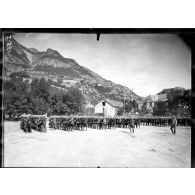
(100, 123)
(82, 123)
(71, 123)
(29, 122)
(25, 124)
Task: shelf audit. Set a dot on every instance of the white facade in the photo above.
(106, 109)
(70, 81)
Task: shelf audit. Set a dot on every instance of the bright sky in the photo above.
(146, 63)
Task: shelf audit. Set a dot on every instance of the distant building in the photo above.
(108, 108)
(150, 101)
(69, 83)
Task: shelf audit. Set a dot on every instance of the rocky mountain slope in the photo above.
(51, 64)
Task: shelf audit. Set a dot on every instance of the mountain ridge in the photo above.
(51, 64)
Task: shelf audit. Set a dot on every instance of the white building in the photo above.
(69, 83)
(150, 101)
(108, 108)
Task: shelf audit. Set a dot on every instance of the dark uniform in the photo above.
(131, 125)
(173, 125)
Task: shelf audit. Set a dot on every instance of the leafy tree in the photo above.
(160, 109)
(40, 88)
(15, 98)
(74, 101)
(37, 106)
(35, 98)
(50, 82)
(57, 106)
(130, 106)
(178, 103)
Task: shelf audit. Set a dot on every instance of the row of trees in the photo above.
(177, 104)
(131, 106)
(35, 98)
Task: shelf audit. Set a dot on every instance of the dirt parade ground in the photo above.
(149, 146)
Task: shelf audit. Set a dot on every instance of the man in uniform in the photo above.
(100, 123)
(173, 125)
(71, 123)
(131, 125)
(28, 125)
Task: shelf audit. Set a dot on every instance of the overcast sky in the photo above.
(146, 63)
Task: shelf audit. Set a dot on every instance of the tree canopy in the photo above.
(35, 98)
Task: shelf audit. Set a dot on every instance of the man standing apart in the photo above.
(173, 125)
(132, 125)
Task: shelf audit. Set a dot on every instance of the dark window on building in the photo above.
(103, 103)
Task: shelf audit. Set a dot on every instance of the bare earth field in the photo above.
(147, 147)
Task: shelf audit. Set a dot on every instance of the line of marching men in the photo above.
(71, 123)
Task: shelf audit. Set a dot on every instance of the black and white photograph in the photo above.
(96, 100)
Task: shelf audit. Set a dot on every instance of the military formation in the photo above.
(36, 122)
(82, 123)
(71, 123)
(165, 121)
